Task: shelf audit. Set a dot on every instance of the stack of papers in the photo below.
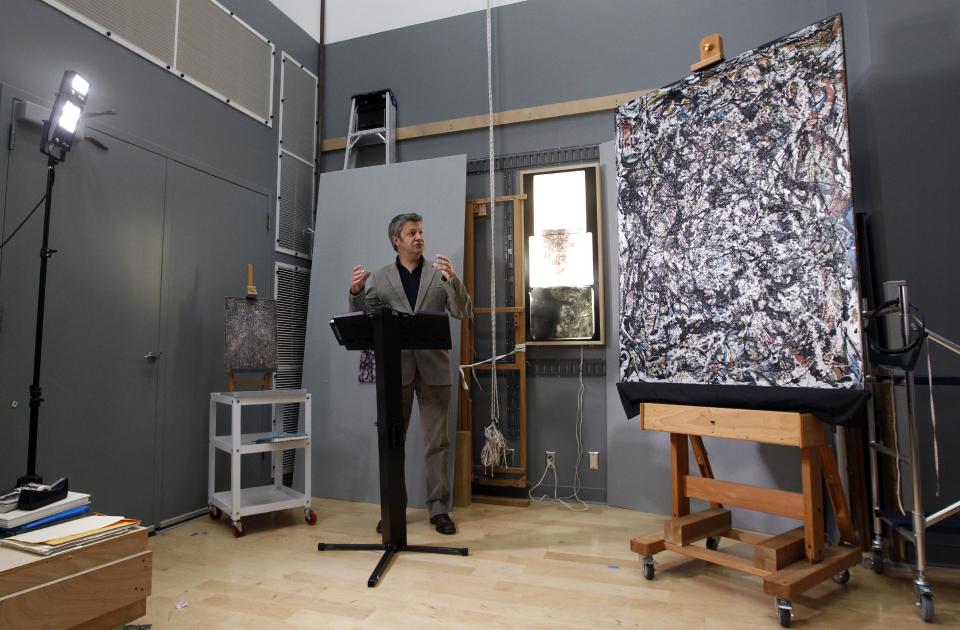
(281, 437)
(16, 518)
(70, 535)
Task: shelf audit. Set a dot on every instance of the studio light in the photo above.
(59, 131)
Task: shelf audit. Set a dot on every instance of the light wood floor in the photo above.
(536, 567)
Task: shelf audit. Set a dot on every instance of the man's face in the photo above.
(410, 242)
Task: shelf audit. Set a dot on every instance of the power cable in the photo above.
(25, 219)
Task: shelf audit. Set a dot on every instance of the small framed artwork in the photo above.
(562, 255)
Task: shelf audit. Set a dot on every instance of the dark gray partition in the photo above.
(354, 209)
(102, 305)
(184, 187)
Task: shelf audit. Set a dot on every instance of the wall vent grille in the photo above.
(292, 292)
(198, 41)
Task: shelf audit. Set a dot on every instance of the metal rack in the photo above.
(909, 329)
(239, 502)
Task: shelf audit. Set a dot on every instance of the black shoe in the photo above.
(379, 527)
(444, 524)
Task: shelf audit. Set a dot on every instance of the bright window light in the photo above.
(69, 117)
(560, 258)
(80, 85)
(558, 202)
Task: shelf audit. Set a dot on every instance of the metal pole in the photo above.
(36, 394)
(919, 525)
(876, 544)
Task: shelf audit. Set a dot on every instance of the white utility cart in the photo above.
(239, 502)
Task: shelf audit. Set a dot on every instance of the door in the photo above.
(98, 422)
(213, 229)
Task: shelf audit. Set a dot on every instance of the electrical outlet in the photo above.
(594, 459)
(551, 459)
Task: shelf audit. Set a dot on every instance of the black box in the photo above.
(371, 109)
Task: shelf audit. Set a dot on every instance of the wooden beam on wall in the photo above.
(508, 117)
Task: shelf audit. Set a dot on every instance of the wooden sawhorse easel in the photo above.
(789, 563)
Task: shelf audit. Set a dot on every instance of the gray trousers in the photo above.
(434, 403)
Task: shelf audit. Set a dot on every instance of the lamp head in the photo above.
(59, 131)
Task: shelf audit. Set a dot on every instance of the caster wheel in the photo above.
(783, 615)
(713, 543)
(238, 529)
(215, 513)
(876, 562)
(648, 569)
(926, 607)
(784, 612)
(843, 577)
(311, 517)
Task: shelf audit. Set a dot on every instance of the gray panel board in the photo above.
(353, 211)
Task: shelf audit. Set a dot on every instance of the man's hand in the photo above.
(444, 266)
(358, 279)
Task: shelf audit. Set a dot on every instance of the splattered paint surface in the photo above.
(368, 367)
(250, 334)
(561, 313)
(737, 249)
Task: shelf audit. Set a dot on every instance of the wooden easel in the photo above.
(467, 473)
(789, 563)
(248, 384)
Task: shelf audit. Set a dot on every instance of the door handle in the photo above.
(151, 357)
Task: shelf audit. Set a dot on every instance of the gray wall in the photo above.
(904, 135)
(902, 74)
(152, 233)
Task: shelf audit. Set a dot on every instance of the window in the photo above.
(563, 272)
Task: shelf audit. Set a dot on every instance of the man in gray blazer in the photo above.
(413, 284)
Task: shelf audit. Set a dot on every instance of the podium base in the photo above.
(389, 551)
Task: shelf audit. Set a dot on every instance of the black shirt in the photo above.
(411, 281)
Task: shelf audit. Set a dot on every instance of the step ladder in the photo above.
(373, 118)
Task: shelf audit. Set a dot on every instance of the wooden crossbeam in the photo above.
(768, 500)
(777, 552)
(507, 117)
(768, 427)
(718, 557)
(802, 576)
(647, 545)
(694, 527)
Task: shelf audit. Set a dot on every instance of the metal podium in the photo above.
(387, 332)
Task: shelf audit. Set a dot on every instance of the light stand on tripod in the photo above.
(58, 135)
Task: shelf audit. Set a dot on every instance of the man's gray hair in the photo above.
(396, 225)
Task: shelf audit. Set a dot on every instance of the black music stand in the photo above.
(386, 332)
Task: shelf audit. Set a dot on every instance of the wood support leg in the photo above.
(703, 462)
(838, 500)
(812, 502)
(679, 467)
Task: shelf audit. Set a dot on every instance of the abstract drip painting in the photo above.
(737, 245)
(561, 313)
(249, 334)
(368, 367)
